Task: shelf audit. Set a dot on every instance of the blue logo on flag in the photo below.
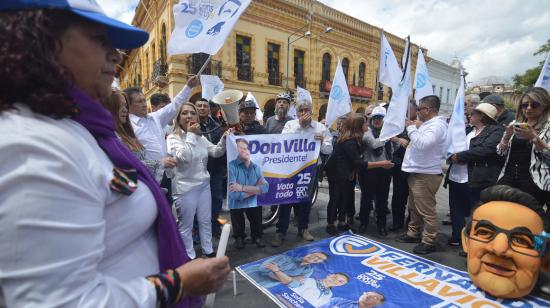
(194, 29)
(216, 89)
(336, 93)
(420, 81)
(354, 246)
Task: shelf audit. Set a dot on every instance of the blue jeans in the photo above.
(284, 216)
(460, 204)
(216, 189)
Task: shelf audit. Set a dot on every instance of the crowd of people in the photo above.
(87, 164)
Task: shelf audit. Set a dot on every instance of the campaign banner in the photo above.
(354, 271)
(270, 169)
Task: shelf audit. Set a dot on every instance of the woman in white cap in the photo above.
(375, 183)
(475, 169)
(82, 221)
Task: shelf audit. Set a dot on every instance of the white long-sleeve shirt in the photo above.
(426, 148)
(293, 126)
(192, 153)
(66, 239)
(149, 130)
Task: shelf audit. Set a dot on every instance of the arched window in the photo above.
(345, 68)
(362, 74)
(325, 74)
(163, 43)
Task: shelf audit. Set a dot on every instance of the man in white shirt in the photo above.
(423, 163)
(304, 124)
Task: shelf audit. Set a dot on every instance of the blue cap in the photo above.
(121, 35)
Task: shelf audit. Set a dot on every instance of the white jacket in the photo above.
(192, 153)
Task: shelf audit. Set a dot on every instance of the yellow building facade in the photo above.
(254, 56)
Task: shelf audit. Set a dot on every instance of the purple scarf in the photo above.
(99, 122)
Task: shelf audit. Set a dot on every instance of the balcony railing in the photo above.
(194, 65)
(245, 72)
(160, 73)
(300, 81)
(275, 78)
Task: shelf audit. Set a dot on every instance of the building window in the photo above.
(244, 68)
(345, 68)
(325, 74)
(299, 57)
(448, 95)
(197, 61)
(163, 44)
(362, 68)
(433, 88)
(274, 77)
(456, 92)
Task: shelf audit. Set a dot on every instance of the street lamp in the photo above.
(306, 34)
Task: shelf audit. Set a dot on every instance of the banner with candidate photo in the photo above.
(270, 169)
(354, 271)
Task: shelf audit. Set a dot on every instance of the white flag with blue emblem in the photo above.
(303, 94)
(389, 72)
(203, 25)
(544, 78)
(456, 133)
(259, 113)
(211, 85)
(339, 101)
(394, 121)
(422, 83)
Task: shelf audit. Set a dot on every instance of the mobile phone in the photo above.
(521, 125)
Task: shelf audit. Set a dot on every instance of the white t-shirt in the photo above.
(66, 239)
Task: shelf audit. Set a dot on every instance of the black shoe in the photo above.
(363, 228)
(382, 231)
(422, 249)
(395, 228)
(239, 243)
(454, 243)
(407, 239)
(446, 222)
(343, 227)
(259, 242)
(331, 229)
(210, 255)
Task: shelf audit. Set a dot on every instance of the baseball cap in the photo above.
(121, 35)
(378, 111)
(493, 99)
(247, 104)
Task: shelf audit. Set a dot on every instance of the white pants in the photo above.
(196, 202)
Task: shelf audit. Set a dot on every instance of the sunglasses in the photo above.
(519, 239)
(534, 105)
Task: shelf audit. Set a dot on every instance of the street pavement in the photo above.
(250, 296)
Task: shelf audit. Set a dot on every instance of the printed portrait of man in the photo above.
(245, 179)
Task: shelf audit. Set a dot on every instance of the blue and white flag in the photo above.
(303, 95)
(211, 85)
(339, 101)
(259, 113)
(544, 78)
(456, 133)
(389, 72)
(203, 25)
(394, 121)
(422, 83)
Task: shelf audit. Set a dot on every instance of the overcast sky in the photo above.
(489, 37)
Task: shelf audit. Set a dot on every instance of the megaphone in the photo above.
(229, 103)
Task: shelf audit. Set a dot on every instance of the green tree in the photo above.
(529, 77)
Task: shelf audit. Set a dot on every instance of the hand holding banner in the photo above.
(203, 25)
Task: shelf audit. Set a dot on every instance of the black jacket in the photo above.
(213, 131)
(253, 129)
(484, 164)
(346, 160)
(506, 117)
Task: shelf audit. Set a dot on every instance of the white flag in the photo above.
(422, 82)
(394, 121)
(211, 85)
(292, 112)
(203, 25)
(544, 77)
(259, 113)
(339, 101)
(389, 72)
(456, 133)
(303, 94)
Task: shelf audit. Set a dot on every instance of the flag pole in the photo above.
(204, 65)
